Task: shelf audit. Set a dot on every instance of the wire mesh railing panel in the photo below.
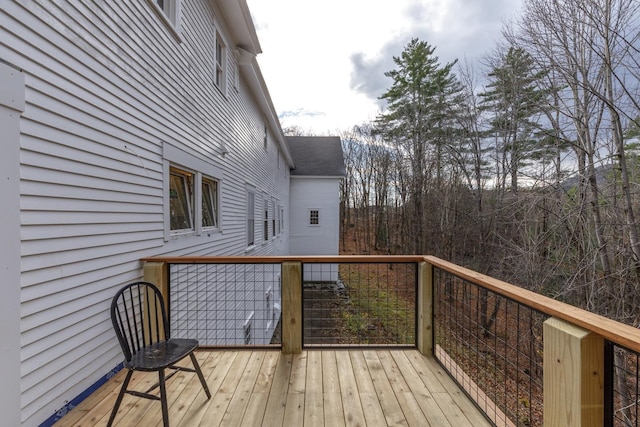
(492, 346)
(226, 304)
(359, 304)
(626, 388)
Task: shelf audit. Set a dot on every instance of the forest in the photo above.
(525, 168)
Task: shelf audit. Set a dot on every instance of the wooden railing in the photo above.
(575, 341)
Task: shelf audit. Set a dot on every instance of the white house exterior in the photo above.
(129, 130)
(314, 201)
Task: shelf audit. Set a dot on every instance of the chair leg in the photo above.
(163, 398)
(196, 366)
(123, 389)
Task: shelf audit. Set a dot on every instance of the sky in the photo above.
(324, 61)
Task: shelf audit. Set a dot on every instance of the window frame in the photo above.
(265, 209)
(214, 198)
(281, 219)
(273, 218)
(311, 217)
(266, 135)
(220, 55)
(176, 160)
(251, 212)
(170, 13)
(187, 204)
(247, 329)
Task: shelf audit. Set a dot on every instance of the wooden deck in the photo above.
(314, 388)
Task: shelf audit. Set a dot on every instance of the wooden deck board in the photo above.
(388, 400)
(423, 396)
(353, 411)
(314, 388)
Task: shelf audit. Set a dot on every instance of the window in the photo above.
(271, 313)
(266, 219)
(314, 217)
(192, 189)
(273, 218)
(209, 203)
(246, 329)
(169, 12)
(251, 201)
(266, 134)
(180, 199)
(220, 63)
(281, 219)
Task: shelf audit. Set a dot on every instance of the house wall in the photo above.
(11, 106)
(314, 193)
(319, 193)
(112, 98)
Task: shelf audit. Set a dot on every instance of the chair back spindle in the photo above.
(139, 317)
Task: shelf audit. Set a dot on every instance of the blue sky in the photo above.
(324, 62)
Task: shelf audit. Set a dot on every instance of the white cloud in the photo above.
(325, 61)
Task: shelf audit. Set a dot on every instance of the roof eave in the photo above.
(237, 15)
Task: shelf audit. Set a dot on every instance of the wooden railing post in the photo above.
(424, 339)
(156, 273)
(573, 375)
(291, 307)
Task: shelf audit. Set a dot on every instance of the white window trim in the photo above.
(265, 218)
(247, 329)
(218, 38)
(190, 179)
(172, 19)
(277, 217)
(269, 309)
(281, 219)
(250, 189)
(266, 134)
(272, 220)
(174, 157)
(215, 201)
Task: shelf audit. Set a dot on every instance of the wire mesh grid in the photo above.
(625, 386)
(352, 304)
(492, 346)
(226, 304)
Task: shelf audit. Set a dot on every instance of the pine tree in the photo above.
(515, 99)
(418, 120)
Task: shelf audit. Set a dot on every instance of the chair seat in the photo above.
(161, 354)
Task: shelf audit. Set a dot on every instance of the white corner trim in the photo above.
(11, 88)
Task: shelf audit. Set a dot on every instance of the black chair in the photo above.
(140, 321)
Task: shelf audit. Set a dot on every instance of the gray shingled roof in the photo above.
(316, 155)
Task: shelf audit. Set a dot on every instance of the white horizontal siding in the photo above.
(106, 86)
(314, 193)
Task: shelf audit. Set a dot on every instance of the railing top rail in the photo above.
(279, 259)
(609, 329)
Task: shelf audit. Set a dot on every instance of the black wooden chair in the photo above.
(140, 321)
